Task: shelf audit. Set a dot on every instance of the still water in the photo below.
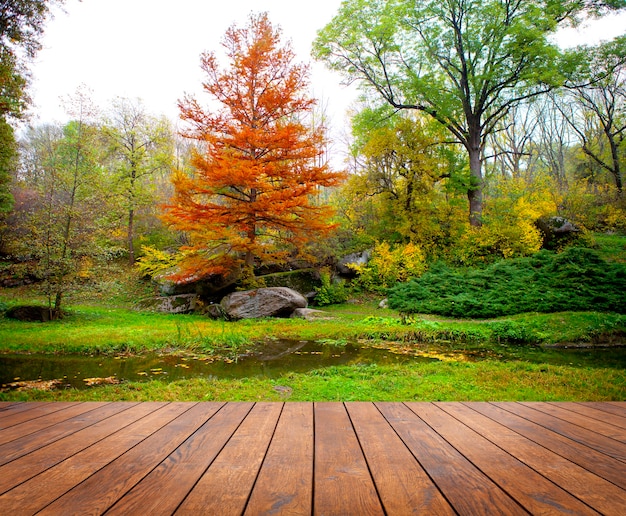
(271, 359)
(275, 358)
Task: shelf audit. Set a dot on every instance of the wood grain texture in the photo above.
(163, 458)
(41, 490)
(538, 466)
(227, 483)
(592, 460)
(113, 417)
(403, 485)
(182, 469)
(290, 459)
(340, 466)
(102, 489)
(602, 427)
(585, 436)
(467, 488)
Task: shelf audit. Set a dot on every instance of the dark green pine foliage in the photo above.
(577, 279)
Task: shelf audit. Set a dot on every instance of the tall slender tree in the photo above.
(142, 148)
(598, 115)
(250, 199)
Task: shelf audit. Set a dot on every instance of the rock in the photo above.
(30, 313)
(263, 302)
(301, 280)
(309, 314)
(557, 232)
(384, 304)
(215, 311)
(180, 304)
(361, 258)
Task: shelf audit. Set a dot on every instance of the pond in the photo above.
(271, 359)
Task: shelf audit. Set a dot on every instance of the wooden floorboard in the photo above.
(161, 458)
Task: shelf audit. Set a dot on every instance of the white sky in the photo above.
(150, 49)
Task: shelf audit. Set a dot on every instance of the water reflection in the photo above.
(273, 359)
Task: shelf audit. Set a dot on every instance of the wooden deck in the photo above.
(312, 458)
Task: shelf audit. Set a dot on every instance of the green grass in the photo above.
(114, 330)
(448, 381)
(510, 356)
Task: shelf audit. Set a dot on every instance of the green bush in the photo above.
(577, 279)
(330, 293)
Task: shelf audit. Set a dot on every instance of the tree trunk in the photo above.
(617, 173)
(56, 312)
(475, 189)
(131, 247)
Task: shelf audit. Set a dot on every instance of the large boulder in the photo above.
(180, 304)
(263, 302)
(362, 258)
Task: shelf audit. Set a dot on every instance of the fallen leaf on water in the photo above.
(109, 380)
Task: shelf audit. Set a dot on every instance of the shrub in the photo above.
(388, 266)
(577, 279)
(330, 293)
(154, 261)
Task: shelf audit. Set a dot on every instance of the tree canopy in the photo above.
(258, 165)
(463, 62)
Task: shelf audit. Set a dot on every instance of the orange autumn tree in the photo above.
(257, 165)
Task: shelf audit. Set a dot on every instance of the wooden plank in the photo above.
(594, 491)
(602, 465)
(285, 482)
(467, 488)
(40, 410)
(28, 427)
(576, 418)
(19, 447)
(105, 487)
(595, 412)
(115, 416)
(21, 406)
(225, 487)
(6, 405)
(619, 406)
(576, 433)
(402, 484)
(342, 481)
(619, 409)
(180, 471)
(35, 494)
(530, 489)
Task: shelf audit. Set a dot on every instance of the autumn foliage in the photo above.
(258, 164)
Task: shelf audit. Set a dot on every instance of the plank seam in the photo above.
(182, 501)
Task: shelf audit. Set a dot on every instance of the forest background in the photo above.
(435, 171)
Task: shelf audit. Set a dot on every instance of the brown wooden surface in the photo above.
(312, 458)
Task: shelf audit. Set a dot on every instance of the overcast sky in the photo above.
(150, 49)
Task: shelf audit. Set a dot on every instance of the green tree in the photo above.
(402, 161)
(465, 63)
(62, 176)
(142, 149)
(21, 25)
(598, 114)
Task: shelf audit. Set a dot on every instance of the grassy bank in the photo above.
(116, 330)
(517, 380)
(517, 359)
